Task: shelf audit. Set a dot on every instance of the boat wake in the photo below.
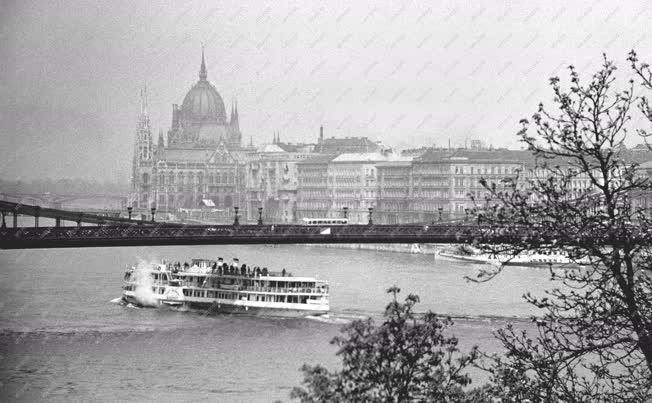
(330, 319)
(122, 302)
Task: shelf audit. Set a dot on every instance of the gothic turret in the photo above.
(235, 119)
(144, 146)
(161, 141)
(143, 155)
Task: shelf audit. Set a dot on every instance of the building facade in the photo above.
(314, 199)
(329, 184)
(444, 183)
(272, 183)
(394, 192)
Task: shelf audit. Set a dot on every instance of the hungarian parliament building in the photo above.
(201, 170)
(202, 161)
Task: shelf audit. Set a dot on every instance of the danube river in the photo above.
(63, 339)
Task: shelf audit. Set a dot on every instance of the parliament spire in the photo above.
(202, 71)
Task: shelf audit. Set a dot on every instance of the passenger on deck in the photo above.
(225, 268)
(243, 270)
(257, 271)
(186, 266)
(283, 273)
(264, 272)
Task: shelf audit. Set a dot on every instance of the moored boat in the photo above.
(526, 259)
(218, 287)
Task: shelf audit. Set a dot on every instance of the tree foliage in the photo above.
(405, 358)
(594, 334)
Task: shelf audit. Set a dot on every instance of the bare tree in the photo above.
(644, 74)
(582, 197)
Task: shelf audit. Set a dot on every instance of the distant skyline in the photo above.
(408, 75)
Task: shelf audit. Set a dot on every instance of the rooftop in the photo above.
(319, 159)
(370, 157)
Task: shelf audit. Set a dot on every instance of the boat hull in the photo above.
(541, 262)
(213, 307)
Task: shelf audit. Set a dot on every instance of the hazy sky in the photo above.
(409, 75)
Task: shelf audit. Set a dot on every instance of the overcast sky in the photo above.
(409, 75)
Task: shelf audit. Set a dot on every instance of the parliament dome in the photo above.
(203, 103)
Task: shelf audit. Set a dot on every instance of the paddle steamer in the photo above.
(215, 286)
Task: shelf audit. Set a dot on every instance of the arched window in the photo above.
(171, 178)
(161, 179)
(200, 178)
(228, 201)
(145, 178)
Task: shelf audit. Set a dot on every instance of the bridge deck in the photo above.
(139, 235)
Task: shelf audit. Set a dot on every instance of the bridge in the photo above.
(121, 231)
(150, 235)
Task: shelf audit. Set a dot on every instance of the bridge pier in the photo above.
(15, 218)
(4, 224)
(371, 211)
(260, 216)
(346, 212)
(57, 222)
(79, 220)
(153, 212)
(236, 220)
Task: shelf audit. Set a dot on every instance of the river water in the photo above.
(62, 339)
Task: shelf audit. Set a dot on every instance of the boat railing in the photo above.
(296, 290)
(235, 273)
(286, 290)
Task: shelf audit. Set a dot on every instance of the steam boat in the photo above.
(215, 286)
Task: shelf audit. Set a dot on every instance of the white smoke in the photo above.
(144, 282)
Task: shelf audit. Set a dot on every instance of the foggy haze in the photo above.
(408, 75)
